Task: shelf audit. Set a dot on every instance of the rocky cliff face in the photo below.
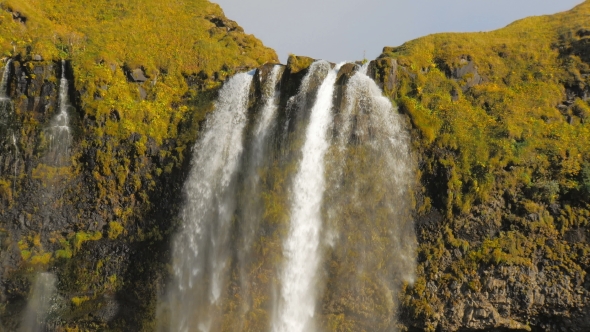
(498, 119)
(98, 213)
(502, 215)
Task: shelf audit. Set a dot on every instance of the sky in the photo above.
(348, 30)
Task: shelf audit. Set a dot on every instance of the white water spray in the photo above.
(4, 82)
(251, 203)
(39, 303)
(60, 137)
(201, 251)
(302, 246)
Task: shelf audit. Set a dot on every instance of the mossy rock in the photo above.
(295, 63)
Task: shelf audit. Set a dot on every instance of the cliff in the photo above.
(498, 123)
(141, 76)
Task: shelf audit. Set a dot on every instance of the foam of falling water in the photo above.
(299, 105)
(60, 137)
(39, 303)
(383, 131)
(201, 249)
(6, 106)
(251, 204)
(302, 246)
(4, 82)
(368, 194)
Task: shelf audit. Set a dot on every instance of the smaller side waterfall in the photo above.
(39, 303)
(60, 137)
(4, 82)
(5, 101)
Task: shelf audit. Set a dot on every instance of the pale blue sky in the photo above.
(338, 30)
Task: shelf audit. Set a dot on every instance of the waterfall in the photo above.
(368, 210)
(302, 246)
(5, 101)
(60, 137)
(297, 211)
(250, 202)
(201, 250)
(39, 303)
(4, 82)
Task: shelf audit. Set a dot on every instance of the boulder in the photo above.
(467, 70)
(137, 75)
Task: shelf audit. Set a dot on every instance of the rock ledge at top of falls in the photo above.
(296, 63)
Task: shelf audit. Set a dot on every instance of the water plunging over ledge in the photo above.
(4, 82)
(297, 213)
(59, 132)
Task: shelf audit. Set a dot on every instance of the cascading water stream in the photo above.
(60, 137)
(302, 246)
(5, 101)
(327, 179)
(39, 303)
(4, 82)
(368, 209)
(201, 250)
(250, 204)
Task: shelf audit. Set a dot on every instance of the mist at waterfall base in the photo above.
(39, 303)
(297, 208)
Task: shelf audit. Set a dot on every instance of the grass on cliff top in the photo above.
(153, 34)
(510, 119)
(166, 39)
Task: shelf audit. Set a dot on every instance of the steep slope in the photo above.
(501, 124)
(97, 208)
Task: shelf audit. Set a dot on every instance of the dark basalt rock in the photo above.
(224, 23)
(17, 16)
(345, 73)
(384, 72)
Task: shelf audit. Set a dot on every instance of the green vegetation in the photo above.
(142, 68)
(500, 124)
(143, 75)
(82, 237)
(115, 229)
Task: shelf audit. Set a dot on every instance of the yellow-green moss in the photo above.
(78, 300)
(115, 229)
(296, 63)
(81, 237)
